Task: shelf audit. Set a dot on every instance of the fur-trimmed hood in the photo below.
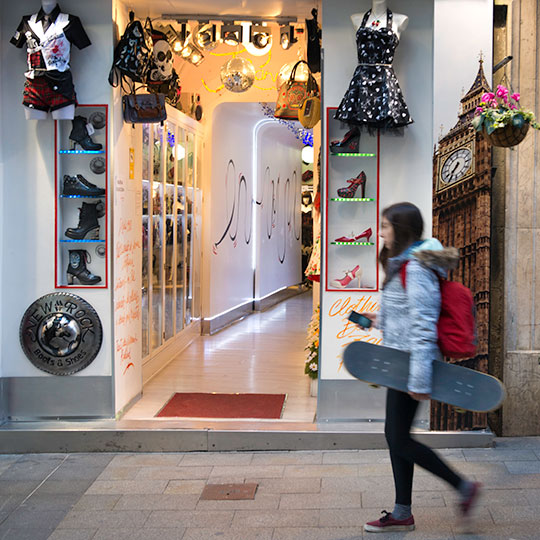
(430, 253)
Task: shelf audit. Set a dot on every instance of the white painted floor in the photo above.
(264, 353)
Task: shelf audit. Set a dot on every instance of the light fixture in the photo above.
(205, 37)
(286, 36)
(307, 154)
(257, 38)
(260, 35)
(231, 34)
(191, 54)
(181, 38)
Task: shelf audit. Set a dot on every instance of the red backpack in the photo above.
(456, 327)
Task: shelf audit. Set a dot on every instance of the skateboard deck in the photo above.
(459, 386)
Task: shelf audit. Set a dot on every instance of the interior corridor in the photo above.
(264, 353)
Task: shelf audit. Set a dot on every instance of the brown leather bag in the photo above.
(293, 93)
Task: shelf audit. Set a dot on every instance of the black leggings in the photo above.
(405, 451)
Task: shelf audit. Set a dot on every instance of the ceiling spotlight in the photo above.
(181, 38)
(231, 34)
(260, 36)
(286, 36)
(257, 38)
(191, 54)
(205, 37)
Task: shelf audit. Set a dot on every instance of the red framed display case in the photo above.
(350, 250)
(88, 244)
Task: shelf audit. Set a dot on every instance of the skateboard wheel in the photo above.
(374, 386)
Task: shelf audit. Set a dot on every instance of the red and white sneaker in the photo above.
(466, 510)
(388, 524)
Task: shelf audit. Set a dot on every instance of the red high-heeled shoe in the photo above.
(350, 279)
(346, 238)
(354, 183)
(366, 234)
(349, 144)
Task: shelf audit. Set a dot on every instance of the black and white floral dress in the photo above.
(374, 99)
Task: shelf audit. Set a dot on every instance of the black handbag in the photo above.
(144, 108)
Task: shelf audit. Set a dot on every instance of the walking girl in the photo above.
(408, 320)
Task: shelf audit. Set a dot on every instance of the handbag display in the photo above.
(293, 93)
(144, 108)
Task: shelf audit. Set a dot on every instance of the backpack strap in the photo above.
(403, 274)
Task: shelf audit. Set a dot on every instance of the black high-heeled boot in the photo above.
(77, 269)
(79, 185)
(349, 144)
(79, 135)
(88, 222)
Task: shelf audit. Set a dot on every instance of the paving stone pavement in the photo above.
(320, 495)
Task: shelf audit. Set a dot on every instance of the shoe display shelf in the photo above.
(81, 169)
(352, 207)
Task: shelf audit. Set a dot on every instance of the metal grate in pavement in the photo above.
(228, 492)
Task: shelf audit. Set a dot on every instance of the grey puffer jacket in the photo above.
(408, 318)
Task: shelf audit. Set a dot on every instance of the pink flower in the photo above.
(479, 110)
(502, 90)
(512, 106)
(515, 96)
(493, 103)
(487, 97)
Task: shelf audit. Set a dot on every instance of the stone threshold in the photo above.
(213, 436)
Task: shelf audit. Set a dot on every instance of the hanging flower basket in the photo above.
(507, 136)
(502, 120)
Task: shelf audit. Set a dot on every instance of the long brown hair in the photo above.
(408, 225)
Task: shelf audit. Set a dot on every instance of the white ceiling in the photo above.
(257, 8)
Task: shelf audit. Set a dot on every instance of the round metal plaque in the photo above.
(61, 333)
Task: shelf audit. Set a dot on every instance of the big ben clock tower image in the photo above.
(462, 218)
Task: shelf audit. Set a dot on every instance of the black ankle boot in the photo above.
(88, 222)
(79, 135)
(79, 185)
(77, 268)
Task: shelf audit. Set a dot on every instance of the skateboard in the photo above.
(459, 386)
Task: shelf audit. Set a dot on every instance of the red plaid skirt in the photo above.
(39, 94)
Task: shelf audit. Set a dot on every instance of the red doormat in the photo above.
(199, 405)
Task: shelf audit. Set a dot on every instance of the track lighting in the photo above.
(286, 36)
(231, 34)
(260, 36)
(191, 54)
(205, 37)
(181, 38)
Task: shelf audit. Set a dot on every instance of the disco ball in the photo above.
(237, 75)
(302, 73)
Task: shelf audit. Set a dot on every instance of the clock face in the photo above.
(456, 166)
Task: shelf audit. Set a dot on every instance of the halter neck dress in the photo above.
(374, 99)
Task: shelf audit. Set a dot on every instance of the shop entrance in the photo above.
(227, 230)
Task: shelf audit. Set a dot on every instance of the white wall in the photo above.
(278, 218)
(28, 206)
(235, 143)
(126, 252)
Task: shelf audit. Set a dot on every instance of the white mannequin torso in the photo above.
(378, 13)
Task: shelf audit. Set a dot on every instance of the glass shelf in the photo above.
(82, 196)
(352, 243)
(352, 199)
(362, 154)
(89, 241)
(81, 151)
